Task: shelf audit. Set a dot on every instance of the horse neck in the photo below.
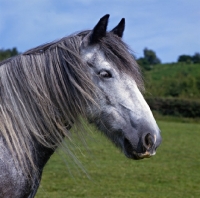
(41, 155)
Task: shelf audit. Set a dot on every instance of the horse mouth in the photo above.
(147, 154)
(131, 153)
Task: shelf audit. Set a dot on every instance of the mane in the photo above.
(44, 91)
(119, 53)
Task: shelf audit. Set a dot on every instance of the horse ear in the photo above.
(99, 30)
(119, 29)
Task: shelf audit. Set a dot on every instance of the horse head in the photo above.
(121, 111)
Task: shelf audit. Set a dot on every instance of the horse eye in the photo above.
(105, 74)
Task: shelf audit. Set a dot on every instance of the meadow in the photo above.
(106, 173)
(179, 80)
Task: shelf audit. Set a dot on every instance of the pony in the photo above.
(47, 90)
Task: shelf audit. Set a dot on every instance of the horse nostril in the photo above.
(148, 141)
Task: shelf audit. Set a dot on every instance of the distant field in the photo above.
(172, 70)
(173, 172)
(173, 80)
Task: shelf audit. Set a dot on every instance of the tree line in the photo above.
(147, 61)
(7, 53)
(190, 59)
(150, 58)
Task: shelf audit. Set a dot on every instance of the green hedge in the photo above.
(175, 106)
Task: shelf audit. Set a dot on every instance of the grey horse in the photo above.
(47, 90)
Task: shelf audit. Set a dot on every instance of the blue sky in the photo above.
(170, 28)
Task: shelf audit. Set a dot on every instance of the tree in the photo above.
(148, 60)
(185, 58)
(4, 54)
(196, 58)
(151, 57)
(144, 63)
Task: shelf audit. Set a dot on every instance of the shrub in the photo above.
(175, 106)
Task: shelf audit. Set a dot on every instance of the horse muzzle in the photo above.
(147, 147)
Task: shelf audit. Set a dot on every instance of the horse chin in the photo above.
(132, 154)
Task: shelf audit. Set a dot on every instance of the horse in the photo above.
(49, 89)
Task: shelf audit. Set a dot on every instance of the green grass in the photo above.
(173, 172)
(173, 80)
(162, 71)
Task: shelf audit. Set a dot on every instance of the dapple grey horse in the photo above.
(47, 90)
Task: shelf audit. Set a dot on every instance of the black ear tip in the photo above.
(99, 30)
(104, 19)
(105, 16)
(122, 22)
(119, 29)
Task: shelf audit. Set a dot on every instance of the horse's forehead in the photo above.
(92, 53)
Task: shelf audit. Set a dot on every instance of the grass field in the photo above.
(161, 71)
(177, 80)
(173, 172)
